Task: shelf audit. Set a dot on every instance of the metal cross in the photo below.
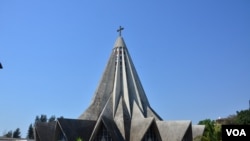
(120, 30)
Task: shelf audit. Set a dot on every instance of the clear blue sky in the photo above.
(192, 57)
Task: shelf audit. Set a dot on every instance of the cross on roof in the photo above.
(120, 30)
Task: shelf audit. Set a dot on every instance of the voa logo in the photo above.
(236, 132)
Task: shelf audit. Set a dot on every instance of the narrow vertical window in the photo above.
(103, 134)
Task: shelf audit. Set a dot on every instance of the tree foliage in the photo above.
(52, 118)
(231, 119)
(243, 117)
(79, 139)
(38, 119)
(17, 133)
(212, 131)
(43, 118)
(8, 134)
(240, 118)
(30, 134)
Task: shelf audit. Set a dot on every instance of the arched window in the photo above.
(103, 134)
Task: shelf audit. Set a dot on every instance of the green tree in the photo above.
(37, 119)
(79, 139)
(17, 133)
(8, 134)
(217, 132)
(42, 118)
(243, 117)
(61, 117)
(231, 119)
(212, 131)
(52, 118)
(30, 134)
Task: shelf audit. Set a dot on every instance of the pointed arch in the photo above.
(152, 133)
(188, 135)
(103, 134)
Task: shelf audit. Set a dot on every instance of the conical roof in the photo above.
(119, 89)
(119, 110)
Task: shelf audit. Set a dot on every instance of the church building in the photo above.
(119, 110)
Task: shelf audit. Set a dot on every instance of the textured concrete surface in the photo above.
(120, 109)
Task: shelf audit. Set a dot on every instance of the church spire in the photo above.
(119, 111)
(120, 86)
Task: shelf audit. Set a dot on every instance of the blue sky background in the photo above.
(193, 57)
